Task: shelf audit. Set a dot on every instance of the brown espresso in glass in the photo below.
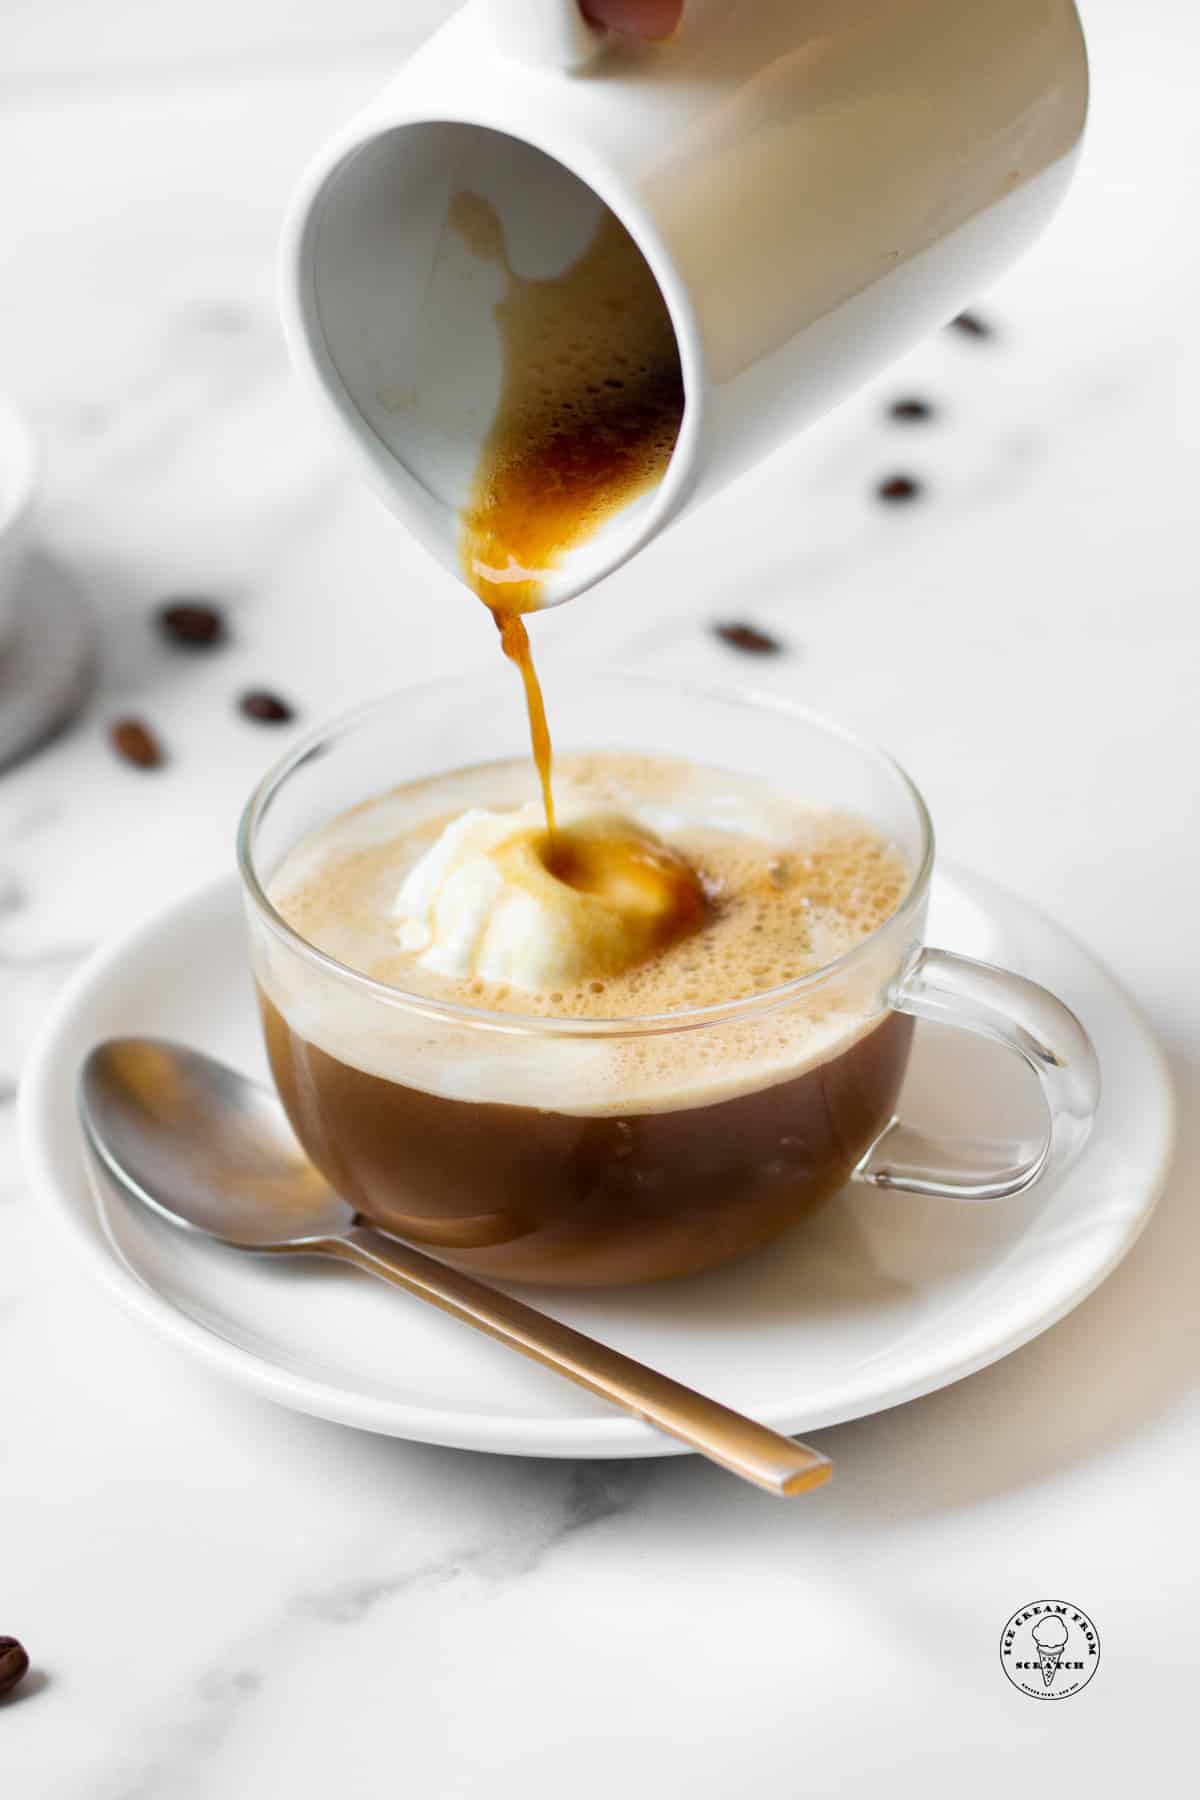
(593, 1159)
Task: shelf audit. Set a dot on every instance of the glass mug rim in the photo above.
(325, 736)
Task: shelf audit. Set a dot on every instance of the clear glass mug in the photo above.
(487, 1136)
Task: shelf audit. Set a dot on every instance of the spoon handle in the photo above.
(748, 1449)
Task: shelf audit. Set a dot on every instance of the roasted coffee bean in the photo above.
(268, 708)
(14, 1664)
(971, 325)
(910, 411)
(136, 742)
(194, 623)
(741, 636)
(898, 489)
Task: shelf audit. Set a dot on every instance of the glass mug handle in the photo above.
(1025, 1018)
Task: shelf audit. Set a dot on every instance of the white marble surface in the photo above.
(226, 1599)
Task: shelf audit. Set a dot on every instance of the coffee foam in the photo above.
(791, 888)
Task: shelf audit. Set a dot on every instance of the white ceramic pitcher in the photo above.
(815, 184)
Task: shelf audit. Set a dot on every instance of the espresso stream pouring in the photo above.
(211, 1152)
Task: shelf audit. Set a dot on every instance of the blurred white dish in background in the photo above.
(18, 477)
(45, 628)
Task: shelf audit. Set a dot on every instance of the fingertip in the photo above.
(651, 19)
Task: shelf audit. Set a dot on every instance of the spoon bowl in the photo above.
(204, 1147)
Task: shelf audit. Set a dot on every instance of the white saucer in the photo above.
(879, 1299)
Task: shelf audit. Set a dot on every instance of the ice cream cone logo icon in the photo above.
(1050, 1649)
(1050, 1636)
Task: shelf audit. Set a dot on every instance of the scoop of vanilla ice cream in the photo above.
(485, 899)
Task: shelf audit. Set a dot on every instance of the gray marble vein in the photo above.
(175, 1756)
